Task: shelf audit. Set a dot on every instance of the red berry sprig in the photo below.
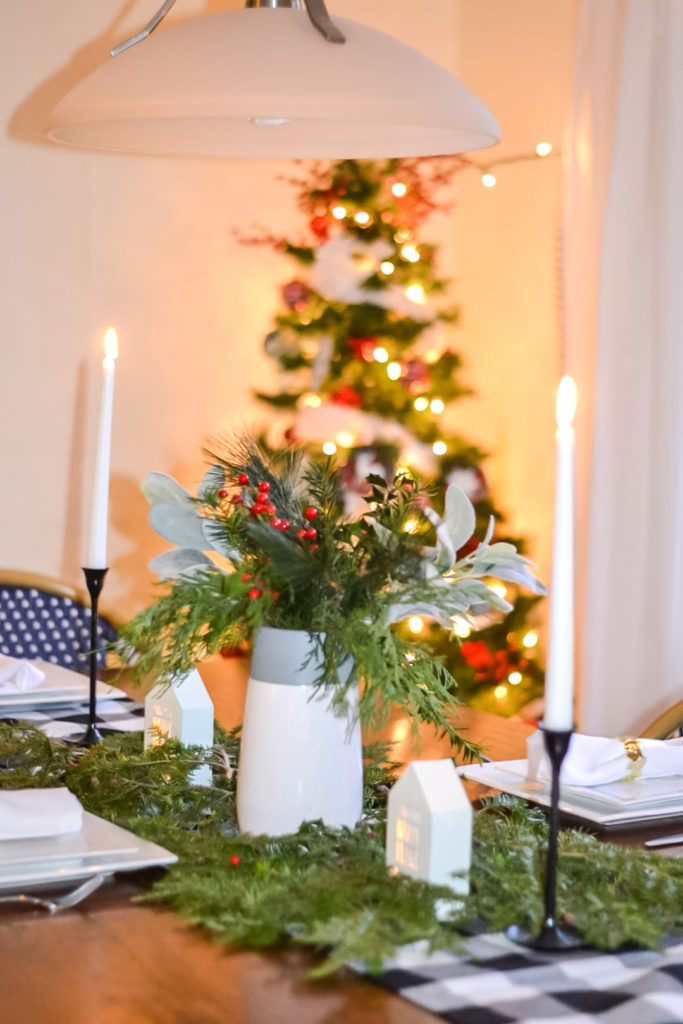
(243, 479)
(311, 512)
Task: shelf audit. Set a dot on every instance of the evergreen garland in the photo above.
(330, 890)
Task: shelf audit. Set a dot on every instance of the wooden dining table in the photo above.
(110, 961)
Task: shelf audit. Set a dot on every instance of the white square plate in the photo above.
(619, 804)
(60, 686)
(99, 847)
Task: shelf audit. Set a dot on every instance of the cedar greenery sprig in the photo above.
(266, 542)
(330, 889)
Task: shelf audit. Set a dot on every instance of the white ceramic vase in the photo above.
(299, 761)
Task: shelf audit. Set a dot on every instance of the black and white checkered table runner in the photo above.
(501, 983)
(68, 720)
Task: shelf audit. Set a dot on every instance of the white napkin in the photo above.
(596, 760)
(18, 675)
(31, 813)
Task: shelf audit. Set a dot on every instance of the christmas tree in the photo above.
(366, 366)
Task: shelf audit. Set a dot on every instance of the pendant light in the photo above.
(276, 79)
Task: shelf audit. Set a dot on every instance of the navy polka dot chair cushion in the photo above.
(35, 624)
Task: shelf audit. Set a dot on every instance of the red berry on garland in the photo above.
(313, 548)
(264, 486)
(276, 595)
(276, 523)
(254, 593)
(311, 533)
(243, 479)
(285, 524)
(246, 576)
(235, 860)
(236, 499)
(301, 534)
(222, 493)
(269, 510)
(311, 512)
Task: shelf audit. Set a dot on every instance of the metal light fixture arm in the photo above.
(316, 10)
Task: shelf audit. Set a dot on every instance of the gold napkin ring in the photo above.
(635, 755)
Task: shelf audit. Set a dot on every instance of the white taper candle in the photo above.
(559, 685)
(97, 553)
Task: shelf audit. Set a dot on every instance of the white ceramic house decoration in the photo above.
(185, 712)
(429, 825)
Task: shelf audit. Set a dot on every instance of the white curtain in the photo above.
(623, 306)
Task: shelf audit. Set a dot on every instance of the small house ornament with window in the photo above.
(183, 711)
(429, 825)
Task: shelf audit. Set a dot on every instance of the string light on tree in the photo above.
(499, 589)
(339, 212)
(416, 293)
(461, 627)
(500, 692)
(488, 180)
(380, 355)
(387, 267)
(410, 253)
(410, 526)
(311, 400)
(394, 371)
(421, 403)
(437, 406)
(329, 448)
(362, 218)
(530, 639)
(398, 189)
(544, 149)
(439, 447)
(415, 624)
(345, 439)
(515, 678)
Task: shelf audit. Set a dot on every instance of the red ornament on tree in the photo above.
(243, 479)
(294, 293)
(311, 512)
(320, 228)
(363, 348)
(346, 396)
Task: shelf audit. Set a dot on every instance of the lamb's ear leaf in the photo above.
(180, 561)
(160, 488)
(213, 480)
(178, 524)
(400, 611)
(459, 516)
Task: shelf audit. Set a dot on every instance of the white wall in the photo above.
(148, 245)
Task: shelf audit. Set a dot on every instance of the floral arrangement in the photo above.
(266, 542)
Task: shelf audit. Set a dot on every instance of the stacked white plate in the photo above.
(28, 865)
(615, 805)
(60, 686)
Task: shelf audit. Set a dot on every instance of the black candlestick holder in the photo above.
(94, 579)
(553, 937)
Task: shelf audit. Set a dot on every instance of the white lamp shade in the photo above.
(201, 87)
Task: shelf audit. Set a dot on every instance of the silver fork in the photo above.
(69, 899)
